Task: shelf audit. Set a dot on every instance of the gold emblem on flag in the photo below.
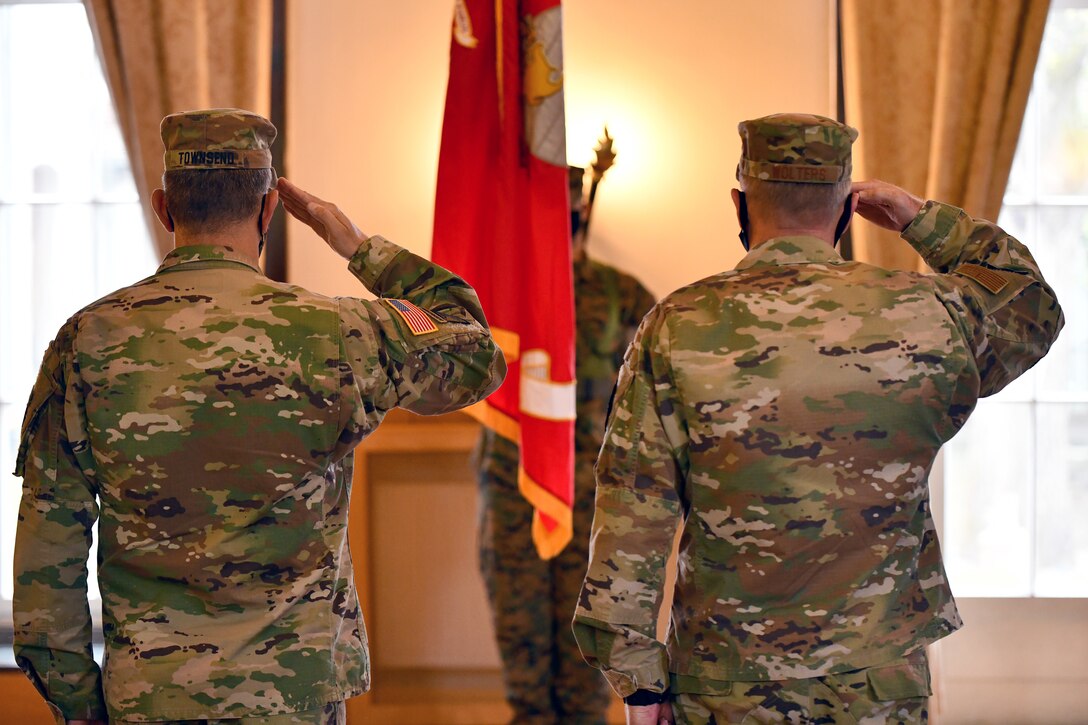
(542, 86)
(462, 26)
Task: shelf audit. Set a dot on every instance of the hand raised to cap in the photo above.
(323, 217)
(886, 205)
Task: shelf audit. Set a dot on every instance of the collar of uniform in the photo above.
(204, 253)
(791, 250)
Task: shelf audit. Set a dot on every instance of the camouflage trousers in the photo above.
(532, 601)
(333, 713)
(894, 693)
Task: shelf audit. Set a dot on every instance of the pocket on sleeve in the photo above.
(32, 420)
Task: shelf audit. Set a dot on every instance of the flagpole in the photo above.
(606, 157)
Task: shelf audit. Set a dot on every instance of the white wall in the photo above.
(367, 83)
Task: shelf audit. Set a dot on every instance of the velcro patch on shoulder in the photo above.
(417, 319)
(986, 277)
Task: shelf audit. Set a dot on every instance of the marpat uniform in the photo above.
(546, 679)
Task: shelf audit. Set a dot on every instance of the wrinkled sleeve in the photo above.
(992, 287)
(438, 359)
(52, 620)
(640, 474)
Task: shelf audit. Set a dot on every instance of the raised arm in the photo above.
(987, 279)
(427, 333)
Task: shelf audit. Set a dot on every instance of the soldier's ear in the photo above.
(158, 205)
(268, 208)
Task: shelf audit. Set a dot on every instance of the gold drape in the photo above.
(937, 89)
(164, 56)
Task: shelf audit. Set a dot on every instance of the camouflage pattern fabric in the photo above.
(786, 414)
(218, 138)
(893, 694)
(546, 679)
(334, 713)
(204, 417)
(795, 147)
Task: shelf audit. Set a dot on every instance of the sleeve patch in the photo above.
(988, 278)
(418, 321)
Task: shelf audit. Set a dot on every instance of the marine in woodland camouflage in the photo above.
(786, 414)
(546, 679)
(204, 417)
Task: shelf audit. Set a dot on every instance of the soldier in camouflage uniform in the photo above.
(205, 417)
(546, 679)
(786, 415)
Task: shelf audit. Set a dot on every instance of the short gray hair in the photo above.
(210, 199)
(811, 205)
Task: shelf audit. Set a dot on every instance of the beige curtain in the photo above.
(937, 89)
(164, 56)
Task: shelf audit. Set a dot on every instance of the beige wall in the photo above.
(367, 83)
(672, 79)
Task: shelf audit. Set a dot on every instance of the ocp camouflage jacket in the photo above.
(786, 414)
(205, 418)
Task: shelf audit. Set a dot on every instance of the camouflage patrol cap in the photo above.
(795, 147)
(217, 138)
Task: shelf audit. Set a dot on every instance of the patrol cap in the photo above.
(796, 147)
(217, 138)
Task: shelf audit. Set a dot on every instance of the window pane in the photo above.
(51, 90)
(1063, 255)
(11, 417)
(1062, 557)
(20, 353)
(123, 254)
(1061, 86)
(1021, 186)
(71, 227)
(987, 539)
(113, 173)
(62, 258)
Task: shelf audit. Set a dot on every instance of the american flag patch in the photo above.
(986, 277)
(418, 321)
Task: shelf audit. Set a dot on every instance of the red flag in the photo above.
(502, 221)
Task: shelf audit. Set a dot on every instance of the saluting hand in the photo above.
(323, 217)
(886, 205)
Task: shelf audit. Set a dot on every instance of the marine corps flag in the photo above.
(502, 222)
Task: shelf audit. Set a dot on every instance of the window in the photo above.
(1016, 477)
(71, 226)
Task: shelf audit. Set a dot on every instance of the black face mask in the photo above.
(260, 229)
(844, 220)
(742, 213)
